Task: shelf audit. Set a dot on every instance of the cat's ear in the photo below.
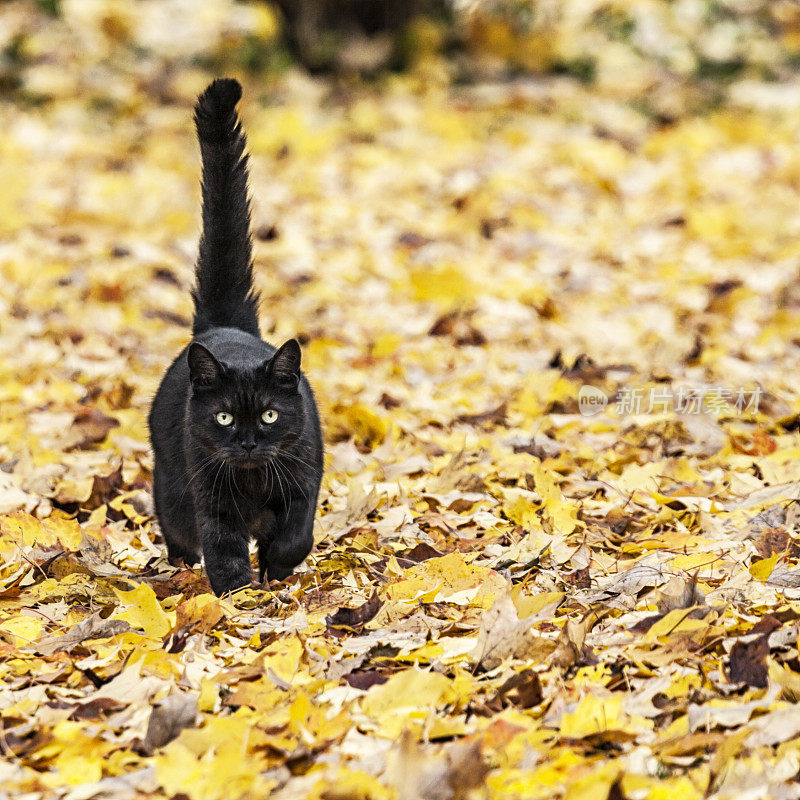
(204, 369)
(284, 367)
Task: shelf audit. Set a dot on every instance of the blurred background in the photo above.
(465, 210)
(668, 57)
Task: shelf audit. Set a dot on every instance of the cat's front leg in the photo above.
(175, 514)
(290, 542)
(226, 554)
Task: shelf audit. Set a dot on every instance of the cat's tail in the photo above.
(224, 294)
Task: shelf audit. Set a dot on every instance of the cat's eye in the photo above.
(224, 418)
(269, 416)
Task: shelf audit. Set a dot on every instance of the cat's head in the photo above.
(245, 415)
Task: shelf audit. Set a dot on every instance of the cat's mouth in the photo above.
(246, 462)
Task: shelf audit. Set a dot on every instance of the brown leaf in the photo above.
(679, 592)
(188, 582)
(189, 616)
(771, 541)
(413, 240)
(644, 624)
(495, 416)
(579, 578)
(20, 743)
(355, 617)
(266, 233)
(96, 708)
(748, 662)
(420, 552)
(93, 627)
(389, 402)
(541, 446)
(503, 635)
(168, 718)
(90, 426)
(524, 689)
(418, 775)
(458, 325)
(570, 647)
(105, 487)
(343, 667)
(772, 517)
(767, 624)
(94, 551)
(762, 444)
(13, 588)
(467, 767)
(585, 370)
(364, 680)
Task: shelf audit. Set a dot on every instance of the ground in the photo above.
(521, 588)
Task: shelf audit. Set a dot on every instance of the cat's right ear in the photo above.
(204, 369)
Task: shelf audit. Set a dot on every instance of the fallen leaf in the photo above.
(93, 627)
(168, 718)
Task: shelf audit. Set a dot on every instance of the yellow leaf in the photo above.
(28, 530)
(596, 785)
(203, 610)
(441, 727)
(254, 694)
(408, 696)
(676, 621)
(446, 285)
(349, 784)
(386, 345)
(762, 569)
(448, 579)
(359, 422)
(692, 561)
(594, 715)
(142, 610)
(207, 701)
(214, 762)
(283, 658)
(562, 514)
(540, 390)
(24, 630)
(521, 512)
(78, 758)
(527, 604)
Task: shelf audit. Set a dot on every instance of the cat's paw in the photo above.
(183, 562)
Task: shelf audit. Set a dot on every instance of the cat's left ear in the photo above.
(284, 367)
(204, 369)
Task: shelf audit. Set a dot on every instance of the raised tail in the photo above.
(224, 294)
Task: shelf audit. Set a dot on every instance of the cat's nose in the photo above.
(249, 446)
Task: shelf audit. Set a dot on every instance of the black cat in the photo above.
(234, 425)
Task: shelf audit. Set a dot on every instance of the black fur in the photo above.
(224, 294)
(217, 485)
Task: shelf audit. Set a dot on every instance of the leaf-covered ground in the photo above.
(507, 599)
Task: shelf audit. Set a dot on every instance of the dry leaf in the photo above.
(168, 718)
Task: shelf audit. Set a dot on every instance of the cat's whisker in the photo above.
(280, 483)
(289, 476)
(232, 484)
(219, 500)
(297, 459)
(206, 462)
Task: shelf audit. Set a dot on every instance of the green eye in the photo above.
(224, 418)
(269, 416)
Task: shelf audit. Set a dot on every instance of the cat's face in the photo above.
(245, 417)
